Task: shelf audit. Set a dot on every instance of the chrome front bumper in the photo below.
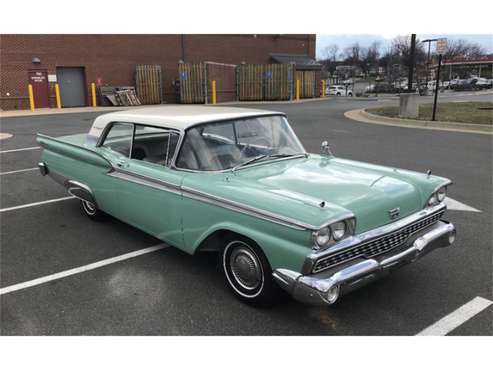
(327, 286)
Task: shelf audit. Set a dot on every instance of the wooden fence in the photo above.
(264, 82)
(192, 83)
(148, 81)
(247, 82)
(308, 84)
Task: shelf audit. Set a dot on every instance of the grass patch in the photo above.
(469, 112)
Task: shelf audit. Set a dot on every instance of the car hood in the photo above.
(319, 189)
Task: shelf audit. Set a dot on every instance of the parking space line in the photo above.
(455, 205)
(20, 149)
(18, 171)
(36, 204)
(80, 269)
(458, 317)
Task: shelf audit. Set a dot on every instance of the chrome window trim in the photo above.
(107, 128)
(369, 235)
(184, 132)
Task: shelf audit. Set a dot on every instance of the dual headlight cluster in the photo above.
(333, 233)
(437, 197)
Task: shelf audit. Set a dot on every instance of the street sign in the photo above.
(441, 46)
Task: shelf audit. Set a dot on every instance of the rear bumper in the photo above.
(327, 286)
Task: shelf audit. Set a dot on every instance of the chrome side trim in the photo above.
(145, 180)
(210, 199)
(353, 241)
(242, 208)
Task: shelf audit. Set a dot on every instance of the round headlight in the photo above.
(338, 230)
(322, 237)
(441, 194)
(433, 200)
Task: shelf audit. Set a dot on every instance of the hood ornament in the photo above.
(325, 148)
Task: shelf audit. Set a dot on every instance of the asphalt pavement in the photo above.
(168, 292)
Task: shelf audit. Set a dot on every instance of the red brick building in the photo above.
(111, 60)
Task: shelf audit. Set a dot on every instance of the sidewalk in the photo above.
(361, 115)
(47, 111)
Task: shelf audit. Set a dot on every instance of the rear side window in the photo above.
(154, 145)
(119, 138)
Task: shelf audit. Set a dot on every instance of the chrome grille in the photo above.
(377, 246)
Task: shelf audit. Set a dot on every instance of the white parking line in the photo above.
(35, 204)
(78, 270)
(458, 317)
(19, 150)
(455, 205)
(18, 171)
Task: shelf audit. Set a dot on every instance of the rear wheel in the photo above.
(248, 272)
(92, 211)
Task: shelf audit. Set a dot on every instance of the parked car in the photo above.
(240, 182)
(339, 90)
(480, 83)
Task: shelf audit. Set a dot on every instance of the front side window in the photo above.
(119, 138)
(226, 145)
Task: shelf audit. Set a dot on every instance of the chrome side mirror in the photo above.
(325, 148)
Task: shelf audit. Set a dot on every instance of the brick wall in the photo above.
(112, 58)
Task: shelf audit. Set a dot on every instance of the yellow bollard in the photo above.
(297, 89)
(323, 88)
(57, 97)
(31, 96)
(213, 91)
(93, 93)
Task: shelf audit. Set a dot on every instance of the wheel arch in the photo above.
(212, 239)
(279, 251)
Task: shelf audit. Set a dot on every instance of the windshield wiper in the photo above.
(263, 156)
(251, 160)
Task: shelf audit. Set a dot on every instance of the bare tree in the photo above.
(352, 54)
(332, 52)
(464, 49)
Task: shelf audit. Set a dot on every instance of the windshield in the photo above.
(231, 144)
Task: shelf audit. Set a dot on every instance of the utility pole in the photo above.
(441, 48)
(436, 87)
(411, 63)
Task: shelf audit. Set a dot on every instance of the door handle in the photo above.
(121, 163)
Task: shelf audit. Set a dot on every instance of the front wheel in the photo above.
(92, 211)
(248, 272)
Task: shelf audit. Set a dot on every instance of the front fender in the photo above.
(280, 252)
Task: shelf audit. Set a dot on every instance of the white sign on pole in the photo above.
(51, 78)
(441, 46)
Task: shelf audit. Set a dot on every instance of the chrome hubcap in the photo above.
(90, 208)
(245, 268)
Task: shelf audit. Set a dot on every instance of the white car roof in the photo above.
(179, 117)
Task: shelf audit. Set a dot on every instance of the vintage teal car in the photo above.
(239, 181)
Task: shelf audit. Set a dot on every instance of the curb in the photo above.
(361, 115)
(301, 101)
(51, 111)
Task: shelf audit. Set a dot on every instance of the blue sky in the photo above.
(343, 41)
